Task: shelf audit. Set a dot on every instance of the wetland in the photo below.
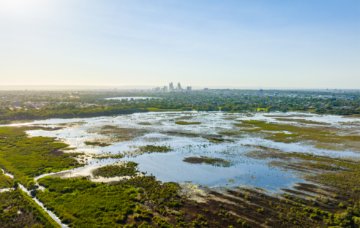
(232, 169)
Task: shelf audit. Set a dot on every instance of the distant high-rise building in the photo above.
(179, 86)
(171, 86)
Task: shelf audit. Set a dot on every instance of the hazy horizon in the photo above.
(215, 44)
(144, 87)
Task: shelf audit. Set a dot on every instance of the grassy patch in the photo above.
(5, 181)
(333, 199)
(26, 157)
(303, 121)
(95, 143)
(107, 156)
(181, 122)
(231, 132)
(119, 134)
(342, 175)
(215, 138)
(82, 203)
(183, 134)
(154, 149)
(126, 169)
(145, 123)
(153, 109)
(208, 160)
(140, 200)
(321, 136)
(147, 149)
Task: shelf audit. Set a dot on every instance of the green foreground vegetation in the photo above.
(18, 210)
(27, 158)
(5, 181)
(81, 203)
(336, 199)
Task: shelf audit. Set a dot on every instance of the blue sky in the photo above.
(244, 44)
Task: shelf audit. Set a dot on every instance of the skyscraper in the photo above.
(171, 86)
(179, 86)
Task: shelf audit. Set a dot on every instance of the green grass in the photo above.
(322, 136)
(181, 122)
(303, 121)
(126, 169)
(145, 123)
(154, 149)
(5, 181)
(207, 160)
(108, 155)
(82, 203)
(147, 149)
(18, 210)
(27, 158)
(152, 109)
(95, 143)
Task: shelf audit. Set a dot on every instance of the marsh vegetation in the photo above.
(5, 181)
(97, 143)
(277, 170)
(208, 161)
(322, 137)
(18, 210)
(123, 169)
(182, 122)
(27, 158)
(154, 149)
(120, 134)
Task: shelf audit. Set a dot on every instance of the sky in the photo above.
(202, 43)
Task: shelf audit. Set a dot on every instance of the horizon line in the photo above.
(149, 87)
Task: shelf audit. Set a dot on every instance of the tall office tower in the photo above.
(179, 86)
(171, 86)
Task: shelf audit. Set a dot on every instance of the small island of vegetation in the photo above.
(117, 170)
(207, 160)
(96, 143)
(181, 122)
